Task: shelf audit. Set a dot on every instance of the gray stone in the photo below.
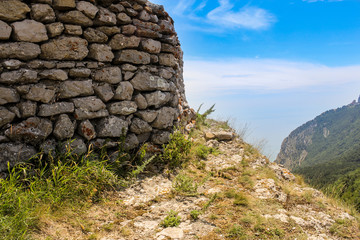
(81, 114)
(141, 32)
(116, 8)
(123, 18)
(143, 137)
(157, 99)
(128, 67)
(167, 59)
(139, 126)
(131, 142)
(65, 48)
(23, 89)
(128, 76)
(122, 108)
(47, 110)
(87, 130)
(73, 30)
(6, 116)
(154, 18)
(65, 65)
(15, 110)
(91, 104)
(40, 93)
(104, 92)
(55, 29)
(148, 115)
(132, 56)
(166, 27)
(74, 147)
(64, 127)
(141, 101)
(165, 118)
(79, 72)
(166, 73)
(19, 76)
(110, 75)
(105, 17)
(64, 4)
(54, 74)
(33, 130)
(42, 13)
(109, 31)
(12, 154)
(151, 46)
(120, 41)
(75, 17)
(124, 91)
(69, 89)
(13, 10)
(128, 29)
(100, 52)
(154, 59)
(19, 50)
(27, 109)
(12, 64)
(160, 137)
(144, 15)
(40, 64)
(87, 8)
(131, 12)
(29, 31)
(48, 147)
(144, 81)
(94, 35)
(111, 127)
(5, 31)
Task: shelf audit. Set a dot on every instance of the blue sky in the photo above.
(270, 64)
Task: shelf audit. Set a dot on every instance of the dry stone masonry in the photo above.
(87, 70)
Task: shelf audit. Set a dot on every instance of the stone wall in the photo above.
(86, 70)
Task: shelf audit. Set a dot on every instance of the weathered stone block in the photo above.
(139, 126)
(64, 127)
(100, 52)
(73, 30)
(75, 17)
(120, 41)
(105, 17)
(151, 46)
(65, 48)
(13, 10)
(128, 76)
(165, 118)
(69, 89)
(12, 64)
(91, 104)
(5, 31)
(76, 147)
(148, 115)
(131, 142)
(104, 92)
(128, 29)
(79, 72)
(27, 109)
(64, 4)
(19, 76)
(140, 101)
(167, 59)
(144, 81)
(109, 31)
(81, 114)
(94, 35)
(124, 91)
(122, 108)
(40, 93)
(47, 110)
(87, 130)
(111, 127)
(54, 74)
(55, 29)
(110, 75)
(29, 31)
(23, 51)
(123, 18)
(132, 56)
(42, 13)
(13, 154)
(158, 98)
(87, 8)
(6, 116)
(160, 137)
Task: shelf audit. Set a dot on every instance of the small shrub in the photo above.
(194, 214)
(200, 118)
(241, 200)
(171, 220)
(203, 151)
(236, 231)
(176, 151)
(185, 185)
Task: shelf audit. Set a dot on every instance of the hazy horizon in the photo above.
(272, 65)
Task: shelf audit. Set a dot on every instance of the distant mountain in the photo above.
(326, 151)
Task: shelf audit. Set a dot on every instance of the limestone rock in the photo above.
(73, 30)
(54, 74)
(82, 114)
(100, 52)
(224, 136)
(105, 17)
(46, 110)
(27, 109)
(148, 115)
(109, 31)
(23, 51)
(139, 126)
(158, 98)
(151, 46)
(165, 118)
(6, 116)
(42, 13)
(64, 4)
(91, 104)
(144, 15)
(117, 8)
(111, 127)
(13, 10)
(172, 233)
(124, 91)
(64, 127)
(128, 76)
(19, 76)
(140, 101)
(120, 41)
(128, 29)
(104, 92)
(94, 35)
(110, 75)
(131, 142)
(144, 81)
(29, 31)
(5, 31)
(55, 29)
(166, 27)
(87, 8)
(122, 108)
(69, 89)
(34, 130)
(40, 93)
(167, 59)
(160, 137)
(123, 18)
(79, 72)
(75, 17)
(65, 48)
(87, 130)
(128, 67)
(13, 154)
(76, 147)
(132, 56)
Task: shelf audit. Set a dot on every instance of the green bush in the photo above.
(194, 214)
(185, 185)
(176, 151)
(171, 220)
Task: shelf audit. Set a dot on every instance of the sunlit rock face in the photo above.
(89, 70)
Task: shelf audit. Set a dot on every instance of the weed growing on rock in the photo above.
(200, 118)
(185, 185)
(171, 220)
(194, 214)
(177, 150)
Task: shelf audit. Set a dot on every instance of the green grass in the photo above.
(171, 220)
(185, 185)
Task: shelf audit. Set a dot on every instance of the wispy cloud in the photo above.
(230, 76)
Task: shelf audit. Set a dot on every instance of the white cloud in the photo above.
(231, 76)
(246, 17)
